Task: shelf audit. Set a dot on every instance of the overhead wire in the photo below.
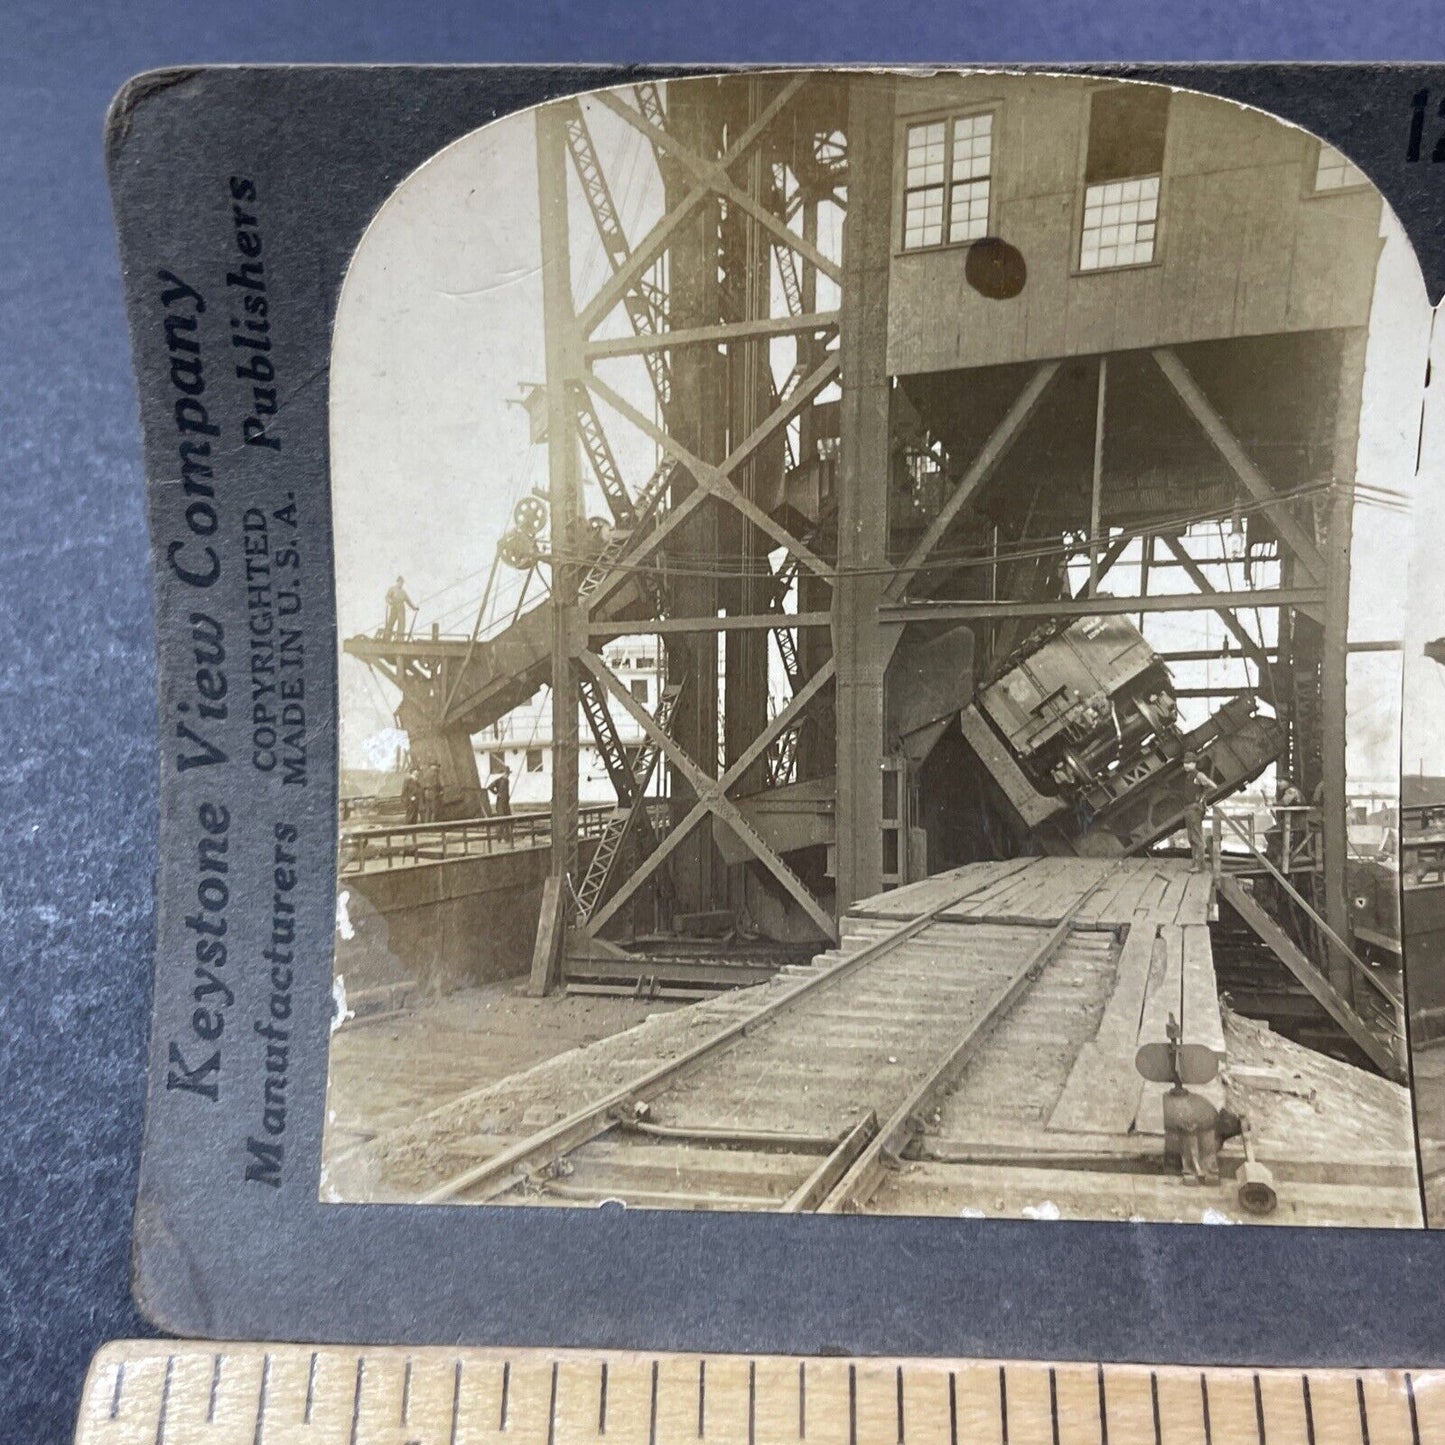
(727, 567)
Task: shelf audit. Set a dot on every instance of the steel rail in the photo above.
(736, 1138)
(817, 1186)
(659, 1198)
(503, 1171)
(885, 1150)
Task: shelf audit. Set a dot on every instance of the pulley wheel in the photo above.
(530, 515)
(518, 550)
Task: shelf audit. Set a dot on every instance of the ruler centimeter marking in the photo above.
(160, 1392)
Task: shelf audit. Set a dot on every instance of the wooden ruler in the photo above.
(164, 1392)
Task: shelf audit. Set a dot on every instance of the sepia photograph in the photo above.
(1422, 817)
(872, 618)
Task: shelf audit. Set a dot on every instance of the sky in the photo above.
(439, 327)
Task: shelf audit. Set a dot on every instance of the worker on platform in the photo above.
(396, 604)
(411, 795)
(1199, 785)
(431, 793)
(501, 790)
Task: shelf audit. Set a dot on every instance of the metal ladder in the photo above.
(619, 539)
(599, 453)
(640, 311)
(632, 812)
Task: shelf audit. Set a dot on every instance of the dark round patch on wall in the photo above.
(995, 269)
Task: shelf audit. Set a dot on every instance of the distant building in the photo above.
(520, 744)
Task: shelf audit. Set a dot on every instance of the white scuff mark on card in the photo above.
(383, 748)
(501, 282)
(339, 1012)
(969, 1212)
(1047, 1210)
(343, 915)
(1215, 1216)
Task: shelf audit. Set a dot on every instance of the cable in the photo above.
(727, 569)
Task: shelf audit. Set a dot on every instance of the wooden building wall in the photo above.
(1245, 247)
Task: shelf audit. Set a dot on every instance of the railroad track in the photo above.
(803, 1101)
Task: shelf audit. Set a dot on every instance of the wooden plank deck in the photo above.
(1162, 889)
(1053, 1115)
(1159, 911)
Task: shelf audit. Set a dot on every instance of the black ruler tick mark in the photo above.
(310, 1390)
(165, 1399)
(356, 1398)
(456, 1402)
(261, 1398)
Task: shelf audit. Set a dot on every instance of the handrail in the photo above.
(409, 844)
(1360, 966)
(1296, 833)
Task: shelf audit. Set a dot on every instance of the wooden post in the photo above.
(697, 417)
(1096, 499)
(1334, 658)
(563, 347)
(862, 489)
(1146, 557)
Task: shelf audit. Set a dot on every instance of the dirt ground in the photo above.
(421, 1143)
(419, 1097)
(386, 1072)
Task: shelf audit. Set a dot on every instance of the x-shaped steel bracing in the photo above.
(710, 480)
(712, 794)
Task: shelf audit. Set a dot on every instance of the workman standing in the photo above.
(1200, 785)
(396, 604)
(411, 795)
(431, 794)
(501, 791)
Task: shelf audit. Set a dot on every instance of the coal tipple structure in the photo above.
(966, 393)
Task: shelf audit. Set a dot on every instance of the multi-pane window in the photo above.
(1120, 218)
(948, 167)
(972, 163)
(1336, 172)
(1122, 170)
